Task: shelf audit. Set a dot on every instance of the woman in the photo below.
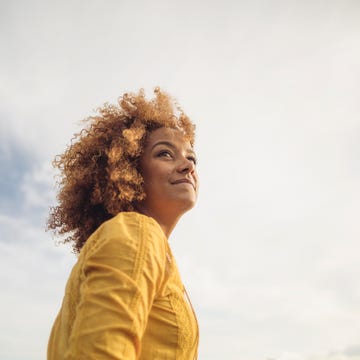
(125, 183)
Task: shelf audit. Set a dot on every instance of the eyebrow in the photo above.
(168, 143)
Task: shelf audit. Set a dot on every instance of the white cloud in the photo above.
(270, 253)
(38, 187)
(350, 353)
(32, 287)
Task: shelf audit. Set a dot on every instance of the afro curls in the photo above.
(99, 171)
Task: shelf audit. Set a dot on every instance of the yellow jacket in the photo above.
(124, 298)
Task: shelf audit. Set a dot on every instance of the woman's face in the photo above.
(168, 166)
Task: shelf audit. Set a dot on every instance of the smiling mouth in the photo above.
(184, 181)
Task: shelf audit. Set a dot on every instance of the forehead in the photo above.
(170, 135)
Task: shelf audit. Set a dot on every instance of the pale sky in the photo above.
(270, 255)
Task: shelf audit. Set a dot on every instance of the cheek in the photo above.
(156, 173)
(156, 176)
(162, 172)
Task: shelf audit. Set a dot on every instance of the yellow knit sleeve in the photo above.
(122, 271)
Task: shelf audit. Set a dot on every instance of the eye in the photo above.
(193, 159)
(164, 153)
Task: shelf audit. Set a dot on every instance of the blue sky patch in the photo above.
(15, 162)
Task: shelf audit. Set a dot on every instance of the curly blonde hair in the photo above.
(99, 171)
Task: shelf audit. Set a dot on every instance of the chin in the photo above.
(186, 205)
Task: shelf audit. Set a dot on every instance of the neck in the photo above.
(166, 220)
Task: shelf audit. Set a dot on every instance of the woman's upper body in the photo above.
(124, 185)
(124, 298)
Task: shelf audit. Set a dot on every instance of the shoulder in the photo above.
(127, 232)
(133, 223)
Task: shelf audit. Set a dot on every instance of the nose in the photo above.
(186, 166)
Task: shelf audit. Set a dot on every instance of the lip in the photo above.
(184, 181)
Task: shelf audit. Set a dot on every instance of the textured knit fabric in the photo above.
(124, 298)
